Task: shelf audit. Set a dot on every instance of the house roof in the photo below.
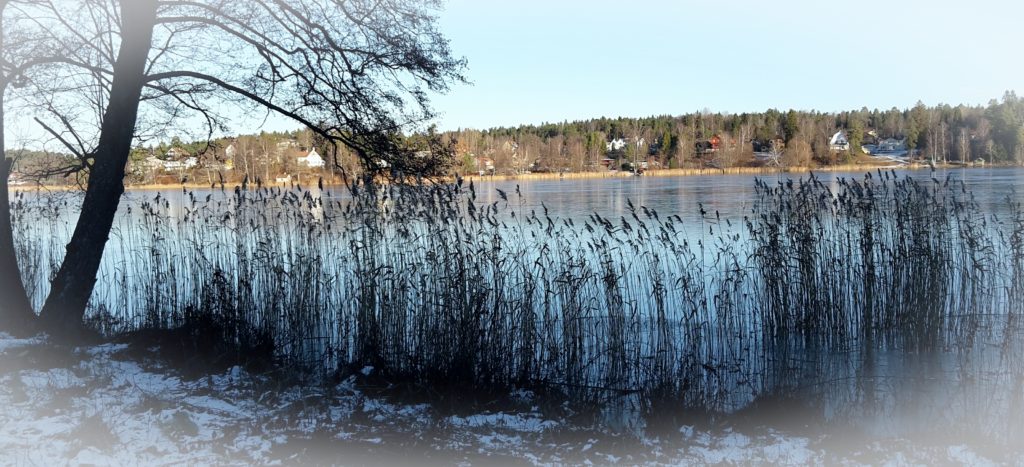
(839, 138)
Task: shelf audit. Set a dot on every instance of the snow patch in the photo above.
(105, 409)
(56, 378)
(8, 342)
(496, 441)
(526, 423)
(963, 455)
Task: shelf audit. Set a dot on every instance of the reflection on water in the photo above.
(731, 195)
(307, 265)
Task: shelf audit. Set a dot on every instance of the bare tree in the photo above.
(23, 48)
(355, 72)
(797, 153)
(964, 145)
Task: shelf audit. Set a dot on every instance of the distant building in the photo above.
(892, 144)
(769, 151)
(765, 146)
(619, 144)
(311, 159)
(287, 144)
(616, 144)
(183, 164)
(484, 165)
(891, 147)
(708, 146)
(838, 142)
(182, 161)
(175, 153)
(153, 163)
(16, 179)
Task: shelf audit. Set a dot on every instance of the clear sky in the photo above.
(534, 61)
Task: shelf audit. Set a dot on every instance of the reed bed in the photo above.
(431, 286)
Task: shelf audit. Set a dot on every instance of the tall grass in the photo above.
(431, 285)
(880, 254)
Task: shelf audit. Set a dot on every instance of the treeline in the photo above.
(994, 133)
(265, 155)
(942, 133)
(269, 156)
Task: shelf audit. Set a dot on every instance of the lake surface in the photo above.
(303, 264)
(731, 195)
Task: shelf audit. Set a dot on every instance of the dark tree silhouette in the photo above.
(21, 51)
(356, 72)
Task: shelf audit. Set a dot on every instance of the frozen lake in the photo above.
(308, 267)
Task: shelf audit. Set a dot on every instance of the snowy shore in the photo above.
(99, 405)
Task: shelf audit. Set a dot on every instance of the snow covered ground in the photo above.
(97, 405)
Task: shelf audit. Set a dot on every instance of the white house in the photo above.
(615, 144)
(839, 142)
(619, 144)
(153, 163)
(174, 154)
(312, 160)
(184, 164)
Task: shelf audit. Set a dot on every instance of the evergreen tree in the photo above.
(855, 135)
(667, 144)
(916, 125)
(791, 126)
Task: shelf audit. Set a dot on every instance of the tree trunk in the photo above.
(74, 282)
(16, 313)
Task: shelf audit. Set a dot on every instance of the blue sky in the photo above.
(534, 61)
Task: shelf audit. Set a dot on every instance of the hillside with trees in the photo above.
(942, 133)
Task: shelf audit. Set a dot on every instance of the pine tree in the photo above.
(791, 126)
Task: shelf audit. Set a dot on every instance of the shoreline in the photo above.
(556, 176)
(713, 171)
(668, 173)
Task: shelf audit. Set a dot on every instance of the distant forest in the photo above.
(943, 133)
